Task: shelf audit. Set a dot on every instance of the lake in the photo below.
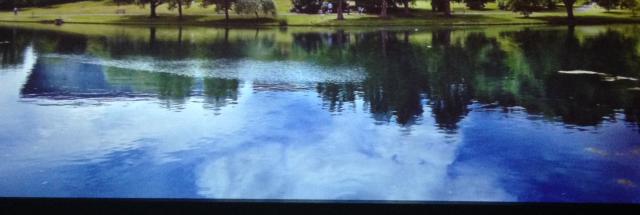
(501, 114)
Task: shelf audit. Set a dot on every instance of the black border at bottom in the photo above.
(197, 206)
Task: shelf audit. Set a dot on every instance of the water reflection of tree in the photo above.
(454, 72)
(62, 79)
(174, 89)
(392, 88)
(579, 99)
(12, 46)
(14, 41)
(218, 91)
(400, 74)
(395, 77)
(337, 94)
(447, 73)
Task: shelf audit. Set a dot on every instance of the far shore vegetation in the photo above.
(322, 12)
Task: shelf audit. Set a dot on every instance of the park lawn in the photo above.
(103, 12)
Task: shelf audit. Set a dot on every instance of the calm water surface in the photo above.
(542, 114)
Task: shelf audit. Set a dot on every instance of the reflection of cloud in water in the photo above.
(346, 157)
(254, 70)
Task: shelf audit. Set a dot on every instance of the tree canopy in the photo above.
(608, 4)
(524, 7)
(255, 7)
(153, 4)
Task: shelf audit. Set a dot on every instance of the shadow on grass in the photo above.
(587, 20)
(480, 9)
(426, 18)
(414, 12)
(617, 12)
(197, 20)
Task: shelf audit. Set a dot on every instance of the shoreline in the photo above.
(577, 22)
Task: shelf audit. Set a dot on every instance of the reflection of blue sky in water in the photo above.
(284, 145)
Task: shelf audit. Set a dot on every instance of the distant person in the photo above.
(360, 9)
(15, 11)
(330, 7)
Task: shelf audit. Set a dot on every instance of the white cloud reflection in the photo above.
(340, 157)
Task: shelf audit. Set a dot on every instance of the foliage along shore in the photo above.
(421, 14)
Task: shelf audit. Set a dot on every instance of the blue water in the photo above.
(354, 121)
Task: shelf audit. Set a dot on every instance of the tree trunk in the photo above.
(152, 37)
(383, 12)
(571, 50)
(447, 7)
(569, 5)
(406, 7)
(551, 4)
(441, 38)
(226, 12)
(180, 36)
(340, 15)
(406, 37)
(571, 29)
(180, 10)
(152, 7)
(341, 38)
(384, 36)
(226, 35)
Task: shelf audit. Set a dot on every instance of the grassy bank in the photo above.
(104, 12)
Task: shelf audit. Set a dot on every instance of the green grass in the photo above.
(103, 12)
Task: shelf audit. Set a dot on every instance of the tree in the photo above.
(525, 7)
(255, 7)
(442, 6)
(153, 4)
(173, 4)
(633, 5)
(221, 5)
(568, 4)
(476, 4)
(608, 4)
(340, 10)
(551, 4)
